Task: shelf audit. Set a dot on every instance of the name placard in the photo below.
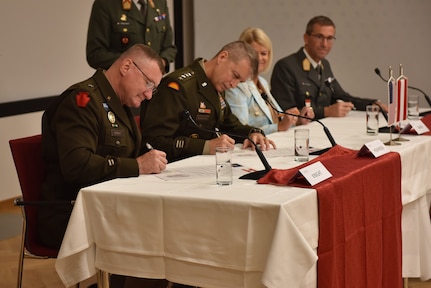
(376, 148)
(417, 125)
(315, 173)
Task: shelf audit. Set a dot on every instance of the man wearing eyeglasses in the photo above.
(89, 134)
(306, 76)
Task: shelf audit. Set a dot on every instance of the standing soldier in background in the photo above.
(116, 25)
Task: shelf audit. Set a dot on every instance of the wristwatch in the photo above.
(257, 130)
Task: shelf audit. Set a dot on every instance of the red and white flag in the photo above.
(392, 98)
(402, 95)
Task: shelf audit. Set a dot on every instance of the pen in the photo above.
(341, 101)
(217, 132)
(149, 147)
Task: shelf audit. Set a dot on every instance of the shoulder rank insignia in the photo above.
(127, 4)
(174, 85)
(82, 99)
(186, 75)
(306, 65)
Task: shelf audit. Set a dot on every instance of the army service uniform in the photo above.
(163, 121)
(116, 25)
(88, 136)
(294, 80)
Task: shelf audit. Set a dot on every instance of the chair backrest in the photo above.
(30, 167)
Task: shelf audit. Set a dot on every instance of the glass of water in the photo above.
(302, 145)
(223, 166)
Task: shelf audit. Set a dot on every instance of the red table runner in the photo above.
(427, 121)
(359, 218)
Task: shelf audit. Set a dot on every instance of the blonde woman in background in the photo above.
(246, 99)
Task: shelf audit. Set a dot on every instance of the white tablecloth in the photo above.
(193, 231)
(245, 235)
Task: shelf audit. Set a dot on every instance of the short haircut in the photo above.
(321, 20)
(253, 34)
(138, 51)
(239, 50)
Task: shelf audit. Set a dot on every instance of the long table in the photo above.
(416, 188)
(185, 228)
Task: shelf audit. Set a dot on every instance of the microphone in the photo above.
(251, 176)
(385, 115)
(328, 83)
(427, 98)
(325, 129)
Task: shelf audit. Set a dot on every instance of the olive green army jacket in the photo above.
(114, 27)
(165, 125)
(88, 136)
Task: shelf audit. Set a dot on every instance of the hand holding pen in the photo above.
(154, 161)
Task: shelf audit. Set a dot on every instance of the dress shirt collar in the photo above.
(313, 63)
(138, 4)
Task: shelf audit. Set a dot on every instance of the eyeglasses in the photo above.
(149, 84)
(320, 37)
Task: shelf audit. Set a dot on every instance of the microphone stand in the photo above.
(250, 176)
(325, 129)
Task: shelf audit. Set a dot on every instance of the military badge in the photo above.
(111, 117)
(306, 65)
(82, 99)
(205, 111)
(127, 4)
(203, 108)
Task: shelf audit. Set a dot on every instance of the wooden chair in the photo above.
(27, 156)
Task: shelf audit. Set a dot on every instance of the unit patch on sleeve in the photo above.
(174, 85)
(82, 99)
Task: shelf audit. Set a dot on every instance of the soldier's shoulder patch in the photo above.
(306, 65)
(174, 85)
(82, 99)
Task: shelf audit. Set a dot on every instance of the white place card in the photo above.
(376, 147)
(419, 126)
(315, 173)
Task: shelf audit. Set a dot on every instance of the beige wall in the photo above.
(43, 47)
(39, 56)
(369, 34)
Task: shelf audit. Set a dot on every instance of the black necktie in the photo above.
(319, 71)
(143, 8)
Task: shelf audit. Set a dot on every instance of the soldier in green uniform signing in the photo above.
(116, 25)
(89, 135)
(199, 89)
